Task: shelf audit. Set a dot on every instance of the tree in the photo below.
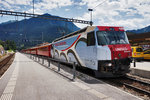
(8, 45)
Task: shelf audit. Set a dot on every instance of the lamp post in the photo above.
(94, 8)
(91, 23)
(42, 37)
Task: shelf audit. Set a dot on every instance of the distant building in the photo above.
(142, 39)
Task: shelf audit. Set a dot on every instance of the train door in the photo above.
(52, 51)
(90, 60)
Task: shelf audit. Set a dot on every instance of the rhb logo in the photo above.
(121, 49)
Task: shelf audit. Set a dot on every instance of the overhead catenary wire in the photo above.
(100, 4)
(65, 31)
(4, 12)
(91, 10)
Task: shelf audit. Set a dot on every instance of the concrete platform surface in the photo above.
(28, 80)
(142, 69)
(143, 65)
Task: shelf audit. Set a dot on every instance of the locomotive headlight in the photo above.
(109, 64)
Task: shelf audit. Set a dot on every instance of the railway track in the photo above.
(132, 85)
(5, 63)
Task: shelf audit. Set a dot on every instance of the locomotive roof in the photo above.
(86, 29)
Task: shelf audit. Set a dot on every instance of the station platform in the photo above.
(28, 80)
(142, 69)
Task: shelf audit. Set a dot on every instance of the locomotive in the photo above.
(104, 49)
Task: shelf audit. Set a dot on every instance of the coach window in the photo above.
(148, 52)
(90, 39)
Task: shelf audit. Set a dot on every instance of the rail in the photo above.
(137, 86)
(5, 60)
(73, 64)
(137, 80)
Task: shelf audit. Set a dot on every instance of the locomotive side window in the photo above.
(90, 39)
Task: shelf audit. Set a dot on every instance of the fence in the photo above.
(37, 58)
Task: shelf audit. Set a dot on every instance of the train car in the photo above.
(137, 53)
(23, 51)
(27, 51)
(147, 54)
(44, 50)
(104, 49)
(33, 50)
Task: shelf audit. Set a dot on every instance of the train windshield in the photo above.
(111, 37)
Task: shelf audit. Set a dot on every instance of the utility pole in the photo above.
(33, 6)
(25, 38)
(42, 37)
(91, 23)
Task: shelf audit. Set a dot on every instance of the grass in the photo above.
(10, 51)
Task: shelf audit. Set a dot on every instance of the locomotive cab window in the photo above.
(90, 39)
(111, 37)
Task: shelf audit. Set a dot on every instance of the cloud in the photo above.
(2, 4)
(41, 6)
(127, 13)
(51, 4)
(67, 9)
(18, 2)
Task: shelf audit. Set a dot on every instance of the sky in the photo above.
(131, 14)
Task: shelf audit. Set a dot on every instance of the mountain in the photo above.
(142, 30)
(139, 34)
(8, 22)
(29, 32)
